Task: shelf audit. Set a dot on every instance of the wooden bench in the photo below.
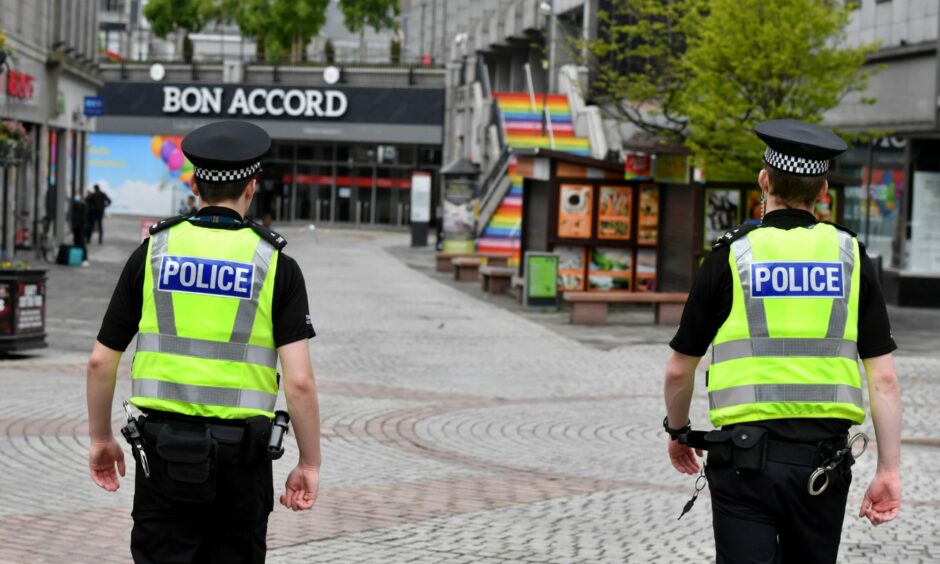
(467, 269)
(496, 279)
(590, 308)
(444, 260)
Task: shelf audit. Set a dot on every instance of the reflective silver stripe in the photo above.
(245, 317)
(783, 393)
(213, 350)
(840, 306)
(756, 315)
(821, 348)
(162, 301)
(206, 395)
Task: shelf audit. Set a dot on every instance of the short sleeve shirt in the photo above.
(290, 311)
(709, 305)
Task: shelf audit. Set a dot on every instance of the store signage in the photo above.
(19, 85)
(294, 102)
(94, 106)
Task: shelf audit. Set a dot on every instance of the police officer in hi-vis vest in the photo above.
(788, 306)
(214, 304)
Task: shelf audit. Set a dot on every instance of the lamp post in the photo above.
(548, 8)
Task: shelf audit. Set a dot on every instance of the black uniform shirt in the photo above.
(709, 305)
(289, 309)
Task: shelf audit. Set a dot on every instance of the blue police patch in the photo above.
(212, 277)
(797, 280)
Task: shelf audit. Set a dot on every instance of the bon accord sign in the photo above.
(418, 106)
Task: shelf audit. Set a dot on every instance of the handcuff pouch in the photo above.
(188, 462)
(719, 448)
(750, 449)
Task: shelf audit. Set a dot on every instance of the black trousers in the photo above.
(771, 518)
(229, 528)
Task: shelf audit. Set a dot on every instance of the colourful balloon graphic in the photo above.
(167, 149)
(186, 176)
(175, 161)
(155, 143)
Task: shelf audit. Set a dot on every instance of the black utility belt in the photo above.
(747, 448)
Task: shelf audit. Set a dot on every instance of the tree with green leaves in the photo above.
(753, 60)
(279, 26)
(704, 72)
(180, 16)
(377, 14)
(636, 63)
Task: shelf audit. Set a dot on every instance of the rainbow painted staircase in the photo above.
(523, 126)
(523, 130)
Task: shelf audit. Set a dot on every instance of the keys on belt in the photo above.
(131, 432)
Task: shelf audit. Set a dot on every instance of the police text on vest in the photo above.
(213, 277)
(797, 280)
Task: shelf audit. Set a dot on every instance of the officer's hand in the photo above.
(102, 457)
(682, 458)
(300, 491)
(882, 498)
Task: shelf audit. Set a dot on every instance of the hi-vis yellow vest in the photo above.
(205, 343)
(788, 348)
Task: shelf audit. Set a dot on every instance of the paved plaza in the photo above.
(455, 427)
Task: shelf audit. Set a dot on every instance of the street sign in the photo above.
(94, 106)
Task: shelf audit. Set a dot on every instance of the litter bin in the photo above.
(22, 309)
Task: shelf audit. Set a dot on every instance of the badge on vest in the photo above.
(797, 280)
(212, 277)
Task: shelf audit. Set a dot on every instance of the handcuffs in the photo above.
(833, 461)
(131, 432)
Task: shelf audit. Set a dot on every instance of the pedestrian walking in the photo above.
(788, 306)
(79, 219)
(215, 303)
(97, 202)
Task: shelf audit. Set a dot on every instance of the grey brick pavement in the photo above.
(456, 429)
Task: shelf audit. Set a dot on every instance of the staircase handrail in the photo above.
(496, 171)
(548, 121)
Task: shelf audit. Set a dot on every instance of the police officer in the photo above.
(788, 306)
(214, 304)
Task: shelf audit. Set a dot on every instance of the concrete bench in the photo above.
(444, 261)
(518, 288)
(496, 279)
(466, 269)
(590, 308)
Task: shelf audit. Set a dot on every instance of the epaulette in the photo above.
(167, 223)
(268, 234)
(841, 228)
(734, 234)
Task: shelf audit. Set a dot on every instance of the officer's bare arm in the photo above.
(883, 497)
(102, 373)
(105, 457)
(680, 382)
(301, 391)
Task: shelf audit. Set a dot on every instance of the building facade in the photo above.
(49, 67)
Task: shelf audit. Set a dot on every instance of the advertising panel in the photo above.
(615, 213)
(925, 223)
(459, 208)
(142, 174)
(611, 269)
(574, 213)
(722, 212)
(648, 231)
(645, 270)
(541, 279)
(570, 268)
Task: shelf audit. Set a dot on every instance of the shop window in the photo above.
(429, 156)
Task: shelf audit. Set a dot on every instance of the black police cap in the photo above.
(799, 148)
(226, 151)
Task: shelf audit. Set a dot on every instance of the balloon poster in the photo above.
(142, 174)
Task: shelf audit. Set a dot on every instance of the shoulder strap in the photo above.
(734, 234)
(167, 223)
(841, 228)
(268, 234)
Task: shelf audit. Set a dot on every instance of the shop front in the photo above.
(339, 154)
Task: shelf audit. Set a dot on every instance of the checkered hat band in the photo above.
(796, 165)
(210, 175)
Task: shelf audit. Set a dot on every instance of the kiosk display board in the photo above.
(648, 230)
(611, 269)
(541, 279)
(925, 223)
(574, 211)
(571, 267)
(459, 207)
(645, 270)
(614, 216)
(722, 212)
